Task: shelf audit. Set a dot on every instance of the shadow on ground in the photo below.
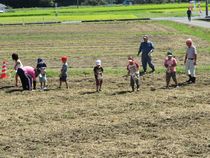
(121, 92)
(6, 87)
(88, 93)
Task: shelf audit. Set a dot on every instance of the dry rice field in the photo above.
(77, 122)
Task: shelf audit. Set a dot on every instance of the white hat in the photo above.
(98, 62)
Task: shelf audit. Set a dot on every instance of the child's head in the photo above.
(64, 59)
(130, 57)
(189, 42)
(131, 62)
(39, 60)
(169, 54)
(98, 63)
(15, 56)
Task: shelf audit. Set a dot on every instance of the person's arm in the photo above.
(174, 63)
(185, 59)
(140, 48)
(34, 84)
(195, 61)
(16, 80)
(94, 71)
(137, 66)
(165, 64)
(152, 49)
(128, 70)
(195, 56)
(102, 71)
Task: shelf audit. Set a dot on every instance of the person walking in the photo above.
(190, 60)
(189, 14)
(145, 51)
(133, 72)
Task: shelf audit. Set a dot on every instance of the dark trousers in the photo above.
(26, 80)
(189, 17)
(147, 60)
(99, 82)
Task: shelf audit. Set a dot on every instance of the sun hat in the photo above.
(98, 62)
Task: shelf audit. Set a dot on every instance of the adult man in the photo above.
(145, 50)
(190, 60)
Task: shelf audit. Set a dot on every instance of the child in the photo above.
(64, 72)
(133, 72)
(98, 73)
(17, 65)
(170, 64)
(41, 70)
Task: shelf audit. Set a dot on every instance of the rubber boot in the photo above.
(190, 79)
(138, 87)
(133, 89)
(193, 79)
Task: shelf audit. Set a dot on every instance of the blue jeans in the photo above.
(147, 60)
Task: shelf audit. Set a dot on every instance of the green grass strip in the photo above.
(200, 32)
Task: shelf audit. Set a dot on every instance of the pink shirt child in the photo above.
(170, 64)
(30, 71)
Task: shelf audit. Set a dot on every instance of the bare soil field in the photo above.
(77, 122)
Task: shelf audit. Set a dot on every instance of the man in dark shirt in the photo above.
(145, 50)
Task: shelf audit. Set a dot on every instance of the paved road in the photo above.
(184, 20)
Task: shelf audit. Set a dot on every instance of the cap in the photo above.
(169, 54)
(64, 58)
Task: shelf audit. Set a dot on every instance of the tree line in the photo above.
(51, 3)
